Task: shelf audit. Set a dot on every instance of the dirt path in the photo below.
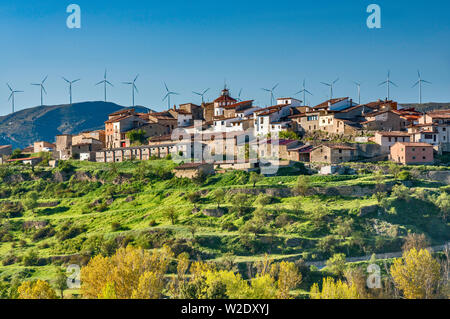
(321, 264)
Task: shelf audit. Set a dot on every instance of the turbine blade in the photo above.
(327, 84)
(382, 83)
(76, 81)
(135, 87)
(425, 81)
(136, 78)
(205, 91)
(65, 80)
(10, 96)
(165, 85)
(45, 79)
(275, 86)
(415, 84)
(100, 82)
(166, 96)
(109, 83)
(43, 88)
(197, 93)
(308, 92)
(9, 87)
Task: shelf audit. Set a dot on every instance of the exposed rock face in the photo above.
(36, 224)
(368, 210)
(216, 212)
(440, 176)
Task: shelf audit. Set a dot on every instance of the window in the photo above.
(424, 157)
(413, 157)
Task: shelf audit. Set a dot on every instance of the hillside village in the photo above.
(230, 133)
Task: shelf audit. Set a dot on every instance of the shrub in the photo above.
(404, 176)
(116, 226)
(30, 258)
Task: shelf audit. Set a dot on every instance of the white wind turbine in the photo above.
(202, 95)
(70, 87)
(388, 83)
(419, 82)
(133, 88)
(271, 92)
(331, 85)
(304, 91)
(12, 95)
(41, 85)
(168, 95)
(105, 82)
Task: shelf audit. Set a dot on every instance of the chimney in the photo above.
(174, 107)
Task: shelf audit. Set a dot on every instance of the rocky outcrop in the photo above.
(216, 212)
(439, 176)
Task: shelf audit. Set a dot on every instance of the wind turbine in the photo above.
(11, 97)
(41, 85)
(70, 86)
(358, 85)
(420, 85)
(239, 96)
(105, 82)
(331, 85)
(388, 83)
(304, 91)
(169, 93)
(271, 93)
(202, 94)
(133, 87)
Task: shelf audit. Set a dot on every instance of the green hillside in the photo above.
(53, 217)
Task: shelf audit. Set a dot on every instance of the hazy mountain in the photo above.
(43, 123)
(426, 107)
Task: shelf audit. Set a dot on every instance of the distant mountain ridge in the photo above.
(426, 107)
(43, 123)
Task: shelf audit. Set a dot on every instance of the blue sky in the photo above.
(193, 45)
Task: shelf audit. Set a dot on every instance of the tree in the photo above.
(302, 186)
(443, 203)
(130, 272)
(32, 201)
(137, 137)
(38, 289)
(336, 264)
(288, 278)
(171, 215)
(219, 196)
(255, 178)
(194, 198)
(416, 274)
(16, 153)
(417, 241)
(61, 282)
(333, 290)
(240, 202)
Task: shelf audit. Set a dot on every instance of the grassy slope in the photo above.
(153, 198)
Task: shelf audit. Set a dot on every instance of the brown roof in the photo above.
(332, 101)
(22, 159)
(122, 112)
(412, 144)
(5, 146)
(118, 119)
(235, 105)
(393, 133)
(340, 147)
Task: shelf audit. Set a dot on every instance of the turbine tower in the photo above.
(167, 96)
(419, 82)
(105, 82)
(11, 96)
(70, 87)
(133, 87)
(304, 91)
(201, 94)
(388, 83)
(271, 92)
(331, 85)
(41, 85)
(358, 85)
(239, 96)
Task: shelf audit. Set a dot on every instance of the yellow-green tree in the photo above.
(333, 290)
(38, 289)
(126, 271)
(416, 274)
(288, 278)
